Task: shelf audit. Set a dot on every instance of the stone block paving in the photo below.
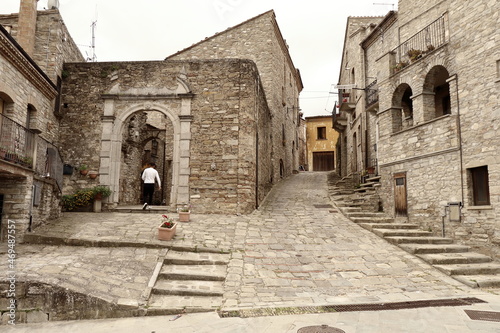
(294, 251)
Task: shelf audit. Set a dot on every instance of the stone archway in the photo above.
(119, 108)
(148, 137)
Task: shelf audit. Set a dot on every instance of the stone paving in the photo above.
(289, 253)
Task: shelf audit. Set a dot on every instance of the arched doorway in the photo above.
(148, 138)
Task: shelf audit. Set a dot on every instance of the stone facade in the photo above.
(321, 142)
(436, 116)
(212, 118)
(30, 167)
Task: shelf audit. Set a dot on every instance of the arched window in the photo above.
(436, 93)
(402, 104)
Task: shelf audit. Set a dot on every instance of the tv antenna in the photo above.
(92, 46)
(384, 4)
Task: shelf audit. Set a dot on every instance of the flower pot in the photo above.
(84, 172)
(93, 174)
(184, 216)
(167, 233)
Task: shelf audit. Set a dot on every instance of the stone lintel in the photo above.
(145, 97)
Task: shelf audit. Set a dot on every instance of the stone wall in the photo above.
(226, 104)
(53, 43)
(475, 41)
(436, 152)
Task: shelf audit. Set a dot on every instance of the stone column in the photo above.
(184, 152)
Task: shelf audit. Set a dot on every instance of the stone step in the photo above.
(454, 258)
(400, 232)
(193, 272)
(371, 226)
(365, 214)
(434, 248)
(470, 269)
(169, 305)
(367, 184)
(418, 240)
(349, 209)
(188, 288)
(363, 189)
(195, 258)
(479, 281)
(371, 219)
(374, 179)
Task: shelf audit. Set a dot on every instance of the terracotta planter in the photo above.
(184, 216)
(167, 233)
(93, 175)
(84, 172)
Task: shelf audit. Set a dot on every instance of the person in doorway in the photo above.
(149, 176)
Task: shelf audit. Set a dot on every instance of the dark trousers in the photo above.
(148, 191)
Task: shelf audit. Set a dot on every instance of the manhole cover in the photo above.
(320, 329)
(483, 315)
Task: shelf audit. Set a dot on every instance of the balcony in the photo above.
(23, 151)
(420, 45)
(347, 100)
(339, 120)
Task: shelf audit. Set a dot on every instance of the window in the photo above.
(321, 133)
(479, 186)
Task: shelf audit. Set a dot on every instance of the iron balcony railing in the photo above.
(17, 144)
(424, 41)
(21, 146)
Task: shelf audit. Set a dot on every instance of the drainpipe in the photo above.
(459, 133)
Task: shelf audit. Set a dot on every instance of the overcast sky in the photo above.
(153, 29)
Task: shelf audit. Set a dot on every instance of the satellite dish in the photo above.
(53, 4)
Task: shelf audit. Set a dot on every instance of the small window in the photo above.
(321, 133)
(480, 186)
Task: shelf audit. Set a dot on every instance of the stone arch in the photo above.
(436, 93)
(114, 126)
(6, 102)
(402, 107)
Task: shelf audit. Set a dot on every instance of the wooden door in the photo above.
(323, 161)
(400, 200)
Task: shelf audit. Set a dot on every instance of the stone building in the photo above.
(220, 126)
(31, 177)
(432, 116)
(321, 141)
(259, 39)
(226, 127)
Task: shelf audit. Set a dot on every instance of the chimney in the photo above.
(27, 26)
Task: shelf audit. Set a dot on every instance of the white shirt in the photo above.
(149, 175)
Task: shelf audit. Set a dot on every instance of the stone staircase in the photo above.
(188, 282)
(361, 205)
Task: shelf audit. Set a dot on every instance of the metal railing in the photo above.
(424, 41)
(21, 146)
(17, 143)
(371, 93)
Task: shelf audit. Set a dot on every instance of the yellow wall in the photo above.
(315, 145)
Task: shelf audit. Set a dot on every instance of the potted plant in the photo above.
(93, 174)
(184, 213)
(101, 191)
(84, 169)
(167, 228)
(414, 55)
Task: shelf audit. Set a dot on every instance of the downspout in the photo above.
(459, 129)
